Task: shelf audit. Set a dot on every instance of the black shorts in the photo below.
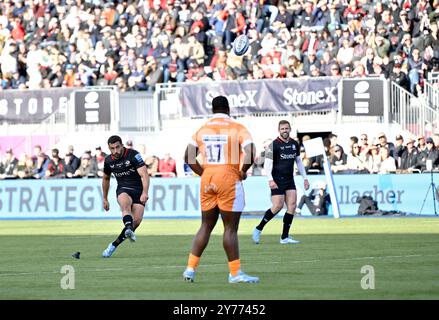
(134, 193)
(283, 184)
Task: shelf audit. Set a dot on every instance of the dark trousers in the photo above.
(315, 210)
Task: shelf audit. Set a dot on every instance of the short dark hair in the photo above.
(114, 139)
(220, 104)
(283, 122)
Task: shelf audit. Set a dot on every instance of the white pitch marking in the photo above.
(222, 264)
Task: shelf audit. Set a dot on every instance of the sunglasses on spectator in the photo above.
(337, 150)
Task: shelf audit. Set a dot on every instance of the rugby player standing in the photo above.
(279, 168)
(220, 141)
(132, 188)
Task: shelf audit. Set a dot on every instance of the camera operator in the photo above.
(317, 201)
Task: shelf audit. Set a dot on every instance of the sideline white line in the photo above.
(25, 273)
(222, 264)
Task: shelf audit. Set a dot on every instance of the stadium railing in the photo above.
(407, 110)
(431, 94)
(433, 77)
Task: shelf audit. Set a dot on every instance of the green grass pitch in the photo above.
(403, 253)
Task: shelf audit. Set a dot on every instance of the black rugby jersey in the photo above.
(283, 155)
(125, 168)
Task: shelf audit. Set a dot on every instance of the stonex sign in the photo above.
(179, 197)
(279, 95)
(32, 106)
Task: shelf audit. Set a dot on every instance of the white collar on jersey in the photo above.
(220, 115)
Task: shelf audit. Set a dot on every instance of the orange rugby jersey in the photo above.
(220, 141)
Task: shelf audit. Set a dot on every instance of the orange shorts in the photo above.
(221, 189)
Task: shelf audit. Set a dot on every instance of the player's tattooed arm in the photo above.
(105, 188)
(190, 157)
(268, 166)
(249, 159)
(143, 172)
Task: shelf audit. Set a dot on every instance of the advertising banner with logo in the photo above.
(93, 106)
(179, 197)
(256, 96)
(363, 97)
(32, 106)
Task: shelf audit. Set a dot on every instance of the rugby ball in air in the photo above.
(240, 45)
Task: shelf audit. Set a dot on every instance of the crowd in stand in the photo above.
(363, 154)
(88, 165)
(136, 44)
